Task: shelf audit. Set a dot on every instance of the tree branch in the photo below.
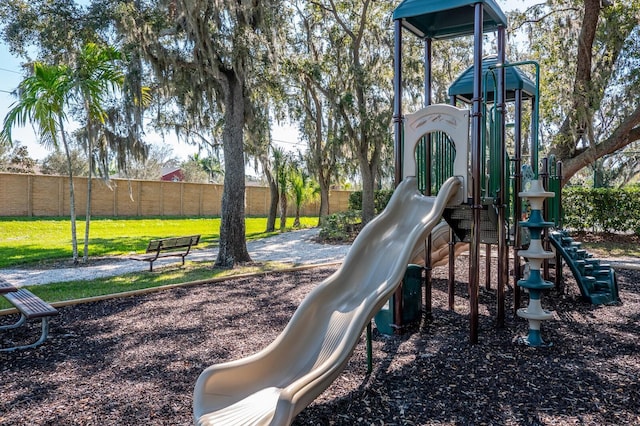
(627, 132)
(543, 17)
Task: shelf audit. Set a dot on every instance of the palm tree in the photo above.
(211, 165)
(302, 190)
(271, 165)
(42, 97)
(95, 76)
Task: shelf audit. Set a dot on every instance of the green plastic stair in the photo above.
(597, 281)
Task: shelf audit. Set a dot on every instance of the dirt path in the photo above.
(298, 247)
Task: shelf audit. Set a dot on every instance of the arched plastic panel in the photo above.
(444, 118)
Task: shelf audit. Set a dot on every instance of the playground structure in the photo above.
(451, 163)
(493, 90)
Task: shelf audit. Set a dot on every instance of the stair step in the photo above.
(566, 241)
(589, 283)
(601, 297)
(593, 262)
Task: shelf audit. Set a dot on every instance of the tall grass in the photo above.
(33, 240)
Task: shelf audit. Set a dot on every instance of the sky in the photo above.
(11, 74)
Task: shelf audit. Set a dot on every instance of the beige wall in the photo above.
(44, 195)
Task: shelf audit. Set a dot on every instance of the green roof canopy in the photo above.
(441, 19)
(514, 79)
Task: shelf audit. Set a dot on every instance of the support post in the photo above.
(397, 100)
(397, 124)
(503, 255)
(369, 349)
(452, 270)
(487, 266)
(517, 210)
(559, 278)
(544, 178)
(451, 288)
(428, 163)
(476, 206)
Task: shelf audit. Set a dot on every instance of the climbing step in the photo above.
(596, 280)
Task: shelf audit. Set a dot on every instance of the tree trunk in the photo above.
(319, 156)
(274, 197)
(233, 247)
(368, 191)
(586, 96)
(283, 210)
(87, 219)
(324, 197)
(72, 197)
(296, 221)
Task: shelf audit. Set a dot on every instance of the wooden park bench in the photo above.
(30, 306)
(168, 247)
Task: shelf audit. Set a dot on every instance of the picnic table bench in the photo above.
(30, 306)
(168, 247)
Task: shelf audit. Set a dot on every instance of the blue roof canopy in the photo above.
(441, 19)
(514, 79)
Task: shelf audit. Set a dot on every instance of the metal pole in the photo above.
(452, 253)
(428, 163)
(544, 175)
(428, 74)
(533, 149)
(503, 255)
(559, 277)
(397, 124)
(452, 270)
(397, 100)
(476, 206)
(369, 349)
(487, 266)
(559, 194)
(517, 210)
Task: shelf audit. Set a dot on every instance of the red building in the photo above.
(172, 174)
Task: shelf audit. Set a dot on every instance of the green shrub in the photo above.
(602, 209)
(381, 199)
(355, 200)
(343, 226)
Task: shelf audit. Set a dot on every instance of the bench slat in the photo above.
(172, 243)
(154, 245)
(6, 287)
(30, 305)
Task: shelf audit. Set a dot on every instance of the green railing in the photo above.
(434, 166)
(554, 184)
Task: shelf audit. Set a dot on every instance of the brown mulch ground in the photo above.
(134, 360)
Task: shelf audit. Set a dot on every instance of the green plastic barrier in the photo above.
(411, 302)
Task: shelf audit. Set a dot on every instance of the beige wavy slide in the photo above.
(440, 237)
(272, 386)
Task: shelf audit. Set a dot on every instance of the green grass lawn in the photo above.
(610, 245)
(163, 276)
(30, 240)
(33, 240)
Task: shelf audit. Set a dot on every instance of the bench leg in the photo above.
(43, 337)
(17, 324)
